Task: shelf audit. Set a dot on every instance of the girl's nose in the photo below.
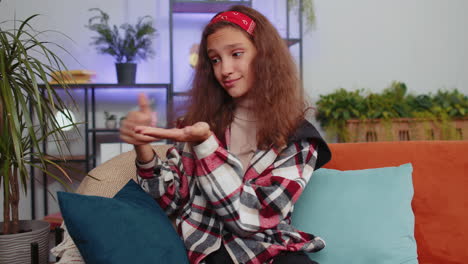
(226, 67)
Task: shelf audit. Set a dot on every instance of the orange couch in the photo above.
(440, 179)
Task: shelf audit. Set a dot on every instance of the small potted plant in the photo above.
(133, 44)
(122, 119)
(111, 120)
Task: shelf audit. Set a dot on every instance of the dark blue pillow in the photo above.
(129, 228)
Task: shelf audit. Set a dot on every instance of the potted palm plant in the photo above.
(26, 100)
(135, 43)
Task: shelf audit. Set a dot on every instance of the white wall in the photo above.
(356, 44)
(368, 43)
(70, 18)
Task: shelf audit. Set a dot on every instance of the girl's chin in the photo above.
(237, 93)
(240, 98)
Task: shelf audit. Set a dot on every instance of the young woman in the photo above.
(244, 151)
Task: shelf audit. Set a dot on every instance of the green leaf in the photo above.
(133, 44)
(26, 101)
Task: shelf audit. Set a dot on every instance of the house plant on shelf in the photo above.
(135, 43)
(393, 114)
(26, 62)
(307, 9)
(111, 120)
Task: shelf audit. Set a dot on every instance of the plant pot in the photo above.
(111, 124)
(16, 248)
(126, 73)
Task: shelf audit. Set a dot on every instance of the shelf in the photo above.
(204, 6)
(66, 158)
(113, 85)
(104, 130)
(181, 93)
(292, 41)
(107, 130)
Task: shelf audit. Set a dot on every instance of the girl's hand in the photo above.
(196, 133)
(142, 117)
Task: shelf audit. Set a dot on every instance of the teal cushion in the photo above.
(129, 228)
(364, 216)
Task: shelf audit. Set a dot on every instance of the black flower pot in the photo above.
(126, 73)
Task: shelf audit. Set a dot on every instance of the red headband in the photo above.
(237, 18)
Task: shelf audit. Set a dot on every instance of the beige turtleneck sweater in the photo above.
(243, 141)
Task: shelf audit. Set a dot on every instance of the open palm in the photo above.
(198, 132)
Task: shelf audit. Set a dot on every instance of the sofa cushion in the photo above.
(440, 178)
(364, 216)
(129, 228)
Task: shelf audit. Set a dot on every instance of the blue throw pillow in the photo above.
(129, 228)
(364, 216)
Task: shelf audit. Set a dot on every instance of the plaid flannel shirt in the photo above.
(216, 202)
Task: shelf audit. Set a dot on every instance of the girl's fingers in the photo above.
(145, 138)
(143, 103)
(130, 140)
(129, 136)
(162, 133)
(198, 132)
(126, 132)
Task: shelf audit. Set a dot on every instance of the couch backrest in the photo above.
(440, 179)
(108, 178)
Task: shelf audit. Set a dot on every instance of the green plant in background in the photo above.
(308, 10)
(134, 44)
(388, 104)
(442, 108)
(336, 108)
(23, 103)
(451, 103)
(109, 116)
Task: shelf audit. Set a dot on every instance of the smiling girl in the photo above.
(243, 153)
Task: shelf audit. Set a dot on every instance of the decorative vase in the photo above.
(111, 124)
(16, 248)
(121, 121)
(126, 73)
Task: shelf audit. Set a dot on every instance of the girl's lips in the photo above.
(230, 83)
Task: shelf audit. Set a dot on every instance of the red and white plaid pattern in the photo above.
(215, 201)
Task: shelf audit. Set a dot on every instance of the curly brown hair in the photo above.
(279, 98)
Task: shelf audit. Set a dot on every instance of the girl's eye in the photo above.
(237, 54)
(215, 60)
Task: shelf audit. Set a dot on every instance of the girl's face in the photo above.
(231, 53)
